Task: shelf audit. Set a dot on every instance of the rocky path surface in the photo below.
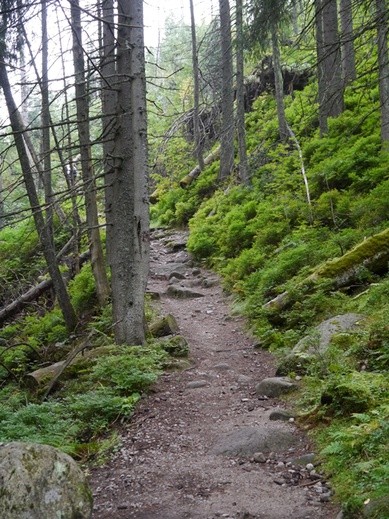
(205, 444)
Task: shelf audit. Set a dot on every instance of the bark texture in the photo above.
(227, 102)
(383, 65)
(129, 229)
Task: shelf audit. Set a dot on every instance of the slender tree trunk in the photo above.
(129, 229)
(68, 166)
(196, 92)
(45, 237)
(97, 256)
(279, 85)
(45, 145)
(227, 130)
(240, 112)
(383, 66)
(109, 105)
(347, 41)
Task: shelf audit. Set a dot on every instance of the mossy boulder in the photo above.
(176, 346)
(39, 481)
(316, 344)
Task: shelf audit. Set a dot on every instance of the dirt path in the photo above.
(170, 464)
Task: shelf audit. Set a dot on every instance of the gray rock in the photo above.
(208, 282)
(316, 343)
(182, 292)
(41, 482)
(247, 441)
(259, 457)
(176, 274)
(280, 414)
(303, 460)
(275, 386)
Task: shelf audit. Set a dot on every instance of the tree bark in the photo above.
(240, 104)
(92, 219)
(109, 103)
(279, 85)
(347, 41)
(333, 95)
(329, 66)
(45, 238)
(196, 92)
(227, 102)
(129, 230)
(383, 66)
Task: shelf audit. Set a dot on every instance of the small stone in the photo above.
(259, 457)
(309, 466)
(222, 366)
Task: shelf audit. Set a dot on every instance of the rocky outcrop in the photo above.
(41, 482)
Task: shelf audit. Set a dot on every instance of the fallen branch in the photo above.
(33, 293)
(372, 255)
(191, 177)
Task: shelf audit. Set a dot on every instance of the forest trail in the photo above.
(170, 464)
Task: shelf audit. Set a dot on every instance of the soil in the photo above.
(169, 464)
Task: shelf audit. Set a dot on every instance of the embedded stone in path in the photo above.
(39, 481)
(275, 386)
(247, 441)
(182, 293)
(196, 384)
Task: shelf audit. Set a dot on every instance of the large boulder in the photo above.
(41, 482)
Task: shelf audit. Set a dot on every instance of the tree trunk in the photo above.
(279, 86)
(330, 83)
(45, 238)
(383, 65)
(45, 119)
(333, 95)
(109, 103)
(97, 256)
(129, 230)
(240, 112)
(196, 92)
(227, 102)
(323, 124)
(347, 41)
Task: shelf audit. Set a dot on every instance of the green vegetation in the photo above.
(98, 390)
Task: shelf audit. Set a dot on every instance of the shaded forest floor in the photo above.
(201, 444)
